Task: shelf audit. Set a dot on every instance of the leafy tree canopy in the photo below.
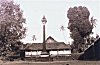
(79, 25)
(11, 23)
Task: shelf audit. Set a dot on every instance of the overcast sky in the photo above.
(56, 13)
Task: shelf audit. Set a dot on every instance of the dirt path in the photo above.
(52, 63)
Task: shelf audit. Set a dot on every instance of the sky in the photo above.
(55, 12)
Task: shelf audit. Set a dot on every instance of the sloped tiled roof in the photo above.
(53, 46)
(50, 40)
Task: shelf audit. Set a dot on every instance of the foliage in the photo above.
(11, 24)
(80, 26)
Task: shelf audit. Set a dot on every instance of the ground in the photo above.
(75, 62)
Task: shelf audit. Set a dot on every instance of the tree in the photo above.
(34, 37)
(11, 24)
(80, 26)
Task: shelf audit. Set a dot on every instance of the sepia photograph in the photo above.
(49, 32)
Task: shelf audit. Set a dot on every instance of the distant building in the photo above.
(53, 48)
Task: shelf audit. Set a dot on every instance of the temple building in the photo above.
(46, 50)
(53, 48)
